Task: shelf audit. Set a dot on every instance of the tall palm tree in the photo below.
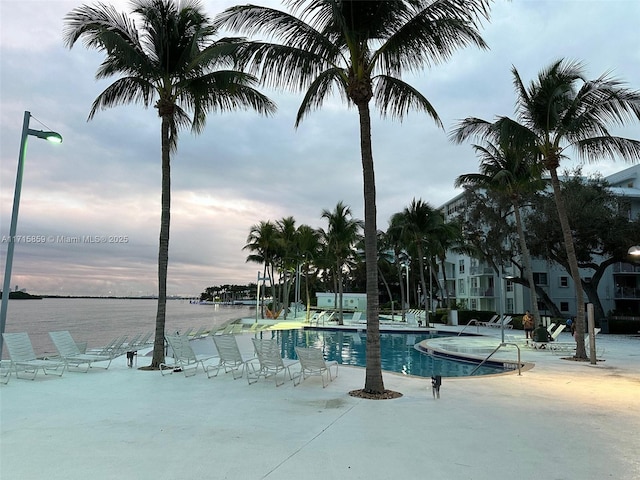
(558, 111)
(308, 246)
(288, 257)
(418, 223)
(341, 236)
(262, 241)
(508, 171)
(360, 49)
(164, 50)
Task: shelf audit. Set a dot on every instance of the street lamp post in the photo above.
(26, 131)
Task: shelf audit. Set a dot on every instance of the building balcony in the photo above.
(622, 267)
(481, 270)
(481, 292)
(624, 293)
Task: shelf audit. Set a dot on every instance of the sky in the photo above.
(89, 213)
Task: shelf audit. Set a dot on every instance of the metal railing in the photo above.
(473, 321)
(492, 353)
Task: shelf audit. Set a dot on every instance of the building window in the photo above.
(540, 278)
(509, 305)
(564, 306)
(564, 282)
(474, 304)
(461, 289)
(461, 266)
(509, 286)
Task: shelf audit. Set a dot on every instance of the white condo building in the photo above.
(478, 286)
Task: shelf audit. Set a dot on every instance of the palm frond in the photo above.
(123, 90)
(430, 35)
(320, 89)
(396, 98)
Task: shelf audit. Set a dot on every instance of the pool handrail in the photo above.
(503, 344)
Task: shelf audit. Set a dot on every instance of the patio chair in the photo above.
(569, 346)
(5, 371)
(554, 337)
(71, 354)
(506, 321)
(230, 357)
(313, 363)
(356, 316)
(184, 359)
(114, 348)
(491, 322)
(23, 358)
(270, 362)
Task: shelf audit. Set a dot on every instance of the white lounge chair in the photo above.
(230, 357)
(113, 349)
(5, 371)
(23, 358)
(411, 319)
(270, 362)
(553, 339)
(71, 354)
(506, 321)
(356, 316)
(569, 346)
(313, 363)
(491, 322)
(184, 358)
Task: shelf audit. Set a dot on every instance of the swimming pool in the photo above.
(398, 352)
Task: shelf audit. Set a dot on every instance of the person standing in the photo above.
(527, 323)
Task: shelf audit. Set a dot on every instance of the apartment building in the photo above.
(477, 286)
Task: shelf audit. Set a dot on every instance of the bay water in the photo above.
(97, 321)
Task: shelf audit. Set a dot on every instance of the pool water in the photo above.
(397, 350)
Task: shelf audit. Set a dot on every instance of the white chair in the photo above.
(230, 357)
(23, 358)
(71, 354)
(184, 358)
(270, 362)
(313, 363)
(552, 339)
(491, 322)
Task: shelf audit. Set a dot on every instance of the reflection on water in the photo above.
(396, 349)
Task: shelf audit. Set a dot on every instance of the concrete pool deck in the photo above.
(559, 420)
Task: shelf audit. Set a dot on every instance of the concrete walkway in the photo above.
(558, 420)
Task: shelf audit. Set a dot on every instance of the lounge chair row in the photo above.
(24, 363)
(266, 362)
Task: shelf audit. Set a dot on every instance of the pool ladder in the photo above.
(492, 353)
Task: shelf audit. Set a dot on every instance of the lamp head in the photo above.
(53, 137)
(635, 251)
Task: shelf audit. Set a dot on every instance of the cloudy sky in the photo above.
(104, 180)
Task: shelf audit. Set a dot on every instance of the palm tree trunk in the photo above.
(423, 283)
(373, 379)
(581, 352)
(163, 251)
(340, 295)
(526, 257)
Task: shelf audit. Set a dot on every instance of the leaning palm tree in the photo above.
(164, 50)
(508, 171)
(558, 111)
(360, 49)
